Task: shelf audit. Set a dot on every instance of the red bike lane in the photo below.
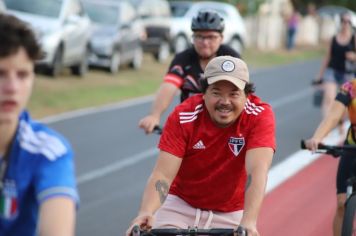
(302, 205)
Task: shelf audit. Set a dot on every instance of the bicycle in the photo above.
(240, 231)
(349, 220)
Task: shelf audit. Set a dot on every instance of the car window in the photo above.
(102, 14)
(50, 8)
(179, 10)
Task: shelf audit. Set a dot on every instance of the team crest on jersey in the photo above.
(236, 144)
(8, 200)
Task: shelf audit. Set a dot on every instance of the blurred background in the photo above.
(104, 60)
(87, 42)
(85, 34)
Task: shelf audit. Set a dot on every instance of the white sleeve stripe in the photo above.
(57, 191)
(188, 116)
(40, 142)
(187, 121)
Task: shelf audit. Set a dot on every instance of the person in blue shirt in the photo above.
(38, 194)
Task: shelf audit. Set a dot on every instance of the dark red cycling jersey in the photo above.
(185, 71)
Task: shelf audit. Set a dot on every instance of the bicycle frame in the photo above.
(240, 231)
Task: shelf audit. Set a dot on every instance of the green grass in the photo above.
(279, 57)
(52, 96)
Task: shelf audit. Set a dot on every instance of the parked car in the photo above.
(155, 16)
(334, 13)
(2, 7)
(184, 11)
(63, 29)
(116, 34)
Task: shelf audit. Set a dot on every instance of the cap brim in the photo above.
(235, 81)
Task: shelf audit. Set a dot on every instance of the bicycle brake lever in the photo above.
(157, 130)
(135, 231)
(241, 231)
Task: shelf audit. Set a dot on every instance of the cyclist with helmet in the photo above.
(186, 69)
(38, 193)
(215, 152)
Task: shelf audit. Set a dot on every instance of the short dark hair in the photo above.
(14, 34)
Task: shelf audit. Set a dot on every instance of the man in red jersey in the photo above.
(215, 152)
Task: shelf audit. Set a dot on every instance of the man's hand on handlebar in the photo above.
(144, 221)
(148, 123)
(317, 82)
(312, 144)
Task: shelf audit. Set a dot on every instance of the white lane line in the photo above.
(131, 160)
(291, 98)
(93, 110)
(137, 101)
(277, 175)
(116, 166)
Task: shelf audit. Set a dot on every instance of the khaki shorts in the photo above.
(176, 213)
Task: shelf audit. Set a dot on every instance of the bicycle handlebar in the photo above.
(240, 231)
(333, 150)
(157, 130)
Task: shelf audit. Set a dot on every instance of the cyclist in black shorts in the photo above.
(186, 69)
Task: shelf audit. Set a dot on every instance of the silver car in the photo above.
(116, 34)
(184, 11)
(2, 6)
(63, 30)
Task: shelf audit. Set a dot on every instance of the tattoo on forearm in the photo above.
(162, 189)
(248, 182)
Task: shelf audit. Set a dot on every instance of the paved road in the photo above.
(114, 158)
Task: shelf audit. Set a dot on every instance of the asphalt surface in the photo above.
(114, 158)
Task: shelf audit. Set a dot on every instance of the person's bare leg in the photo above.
(330, 90)
(339, 214)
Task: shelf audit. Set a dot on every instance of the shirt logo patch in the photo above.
(236, 144)
(199, 145)
(8, 200)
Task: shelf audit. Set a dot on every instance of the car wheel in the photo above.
(56, 66)
(163, 52)
(236, 44)
(114, 62)
(82, 68)
(180, 43)
(137, 60)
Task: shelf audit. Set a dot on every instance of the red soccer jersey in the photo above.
(212, 175)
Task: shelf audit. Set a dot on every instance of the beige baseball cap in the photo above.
(227, 68)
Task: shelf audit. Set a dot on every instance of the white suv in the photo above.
(63, 30)
(184, 11)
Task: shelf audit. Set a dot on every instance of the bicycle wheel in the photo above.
(349, 222)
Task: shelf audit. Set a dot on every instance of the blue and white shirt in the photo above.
(40, 166)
